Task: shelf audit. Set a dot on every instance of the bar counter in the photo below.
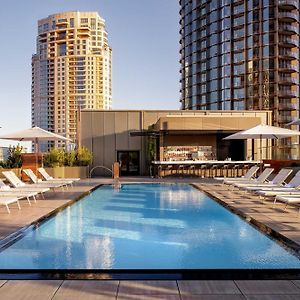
(202, 168)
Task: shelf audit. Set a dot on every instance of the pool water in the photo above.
(146, 226)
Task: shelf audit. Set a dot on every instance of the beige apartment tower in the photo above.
(71, 70)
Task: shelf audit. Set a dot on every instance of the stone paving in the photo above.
(285, 222)
(167, 289)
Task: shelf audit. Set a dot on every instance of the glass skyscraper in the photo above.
(240, 55)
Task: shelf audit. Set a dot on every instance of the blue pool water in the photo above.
(146, 227)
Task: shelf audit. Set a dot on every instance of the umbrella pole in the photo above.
(261, 153)
(36, 154)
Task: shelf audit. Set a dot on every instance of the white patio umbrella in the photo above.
(35, 134)
(263, 132)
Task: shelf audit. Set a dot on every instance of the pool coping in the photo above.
(150, 274)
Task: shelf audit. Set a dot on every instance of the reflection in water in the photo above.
(100, 253)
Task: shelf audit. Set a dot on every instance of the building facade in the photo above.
(136, 137)
(71, 70)
(241, 55)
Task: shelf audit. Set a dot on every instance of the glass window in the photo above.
(239, 9)
(238, 21)
(238, 45)
(62, 49)
(238, 57)
(239, 33)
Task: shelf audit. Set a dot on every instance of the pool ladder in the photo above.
(100, 167)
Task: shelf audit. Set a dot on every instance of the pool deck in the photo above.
(287, 223)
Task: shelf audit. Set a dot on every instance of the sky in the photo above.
(143, 34)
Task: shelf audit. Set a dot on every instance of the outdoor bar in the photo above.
(168, 142)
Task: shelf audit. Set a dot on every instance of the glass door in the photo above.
(129, 162)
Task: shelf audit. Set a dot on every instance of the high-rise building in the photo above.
(241, 54)
(71, 70)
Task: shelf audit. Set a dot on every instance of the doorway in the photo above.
(129, 162)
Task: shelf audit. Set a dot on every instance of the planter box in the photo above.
(68, 172)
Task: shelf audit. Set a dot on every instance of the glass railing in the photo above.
(288, 41)
(289, 15)
(288, 79)
(288, 28)
(293, 54)
(289, 2)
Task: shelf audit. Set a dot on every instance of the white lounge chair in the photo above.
(288, 199)
(248, 176)
(277, 181)
(263, 177)
(9, 200)
(290, 188)
(47, 177)
(37, 181)
(6, 191)
(16, 182)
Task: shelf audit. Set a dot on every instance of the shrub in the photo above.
(58, 158)
(14, 159)
(84, 157)
(54, 158)
(70, 158)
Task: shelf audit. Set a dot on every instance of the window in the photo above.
(62, 49)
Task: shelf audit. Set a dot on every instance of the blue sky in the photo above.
(143, 34)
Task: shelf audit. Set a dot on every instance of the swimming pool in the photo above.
(147, 227)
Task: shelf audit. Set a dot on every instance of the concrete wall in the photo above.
(106, 132)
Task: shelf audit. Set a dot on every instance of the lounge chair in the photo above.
(291, 188)
(277, 181)
(263, 177)
(248, 176)
(47, 177)
(33, 178)
(6, 191)
(15, 181)
(9, 200)
(288, 199)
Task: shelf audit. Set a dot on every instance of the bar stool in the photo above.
(180, 169)
(159, 171)
(230, 169)
(213, 170)
(235, 170)
(203, 169)
(191, 170)
(225, 170)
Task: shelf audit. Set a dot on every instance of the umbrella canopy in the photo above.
(33, 134)
(263, 132)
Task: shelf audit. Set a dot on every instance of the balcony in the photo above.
(287, 54)
(288, 81)
(288, 29)
(288, 16)
(287, 94)
(288, 4)
(285, 119)
(288, 68)
(287, 42)
(287, 106)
